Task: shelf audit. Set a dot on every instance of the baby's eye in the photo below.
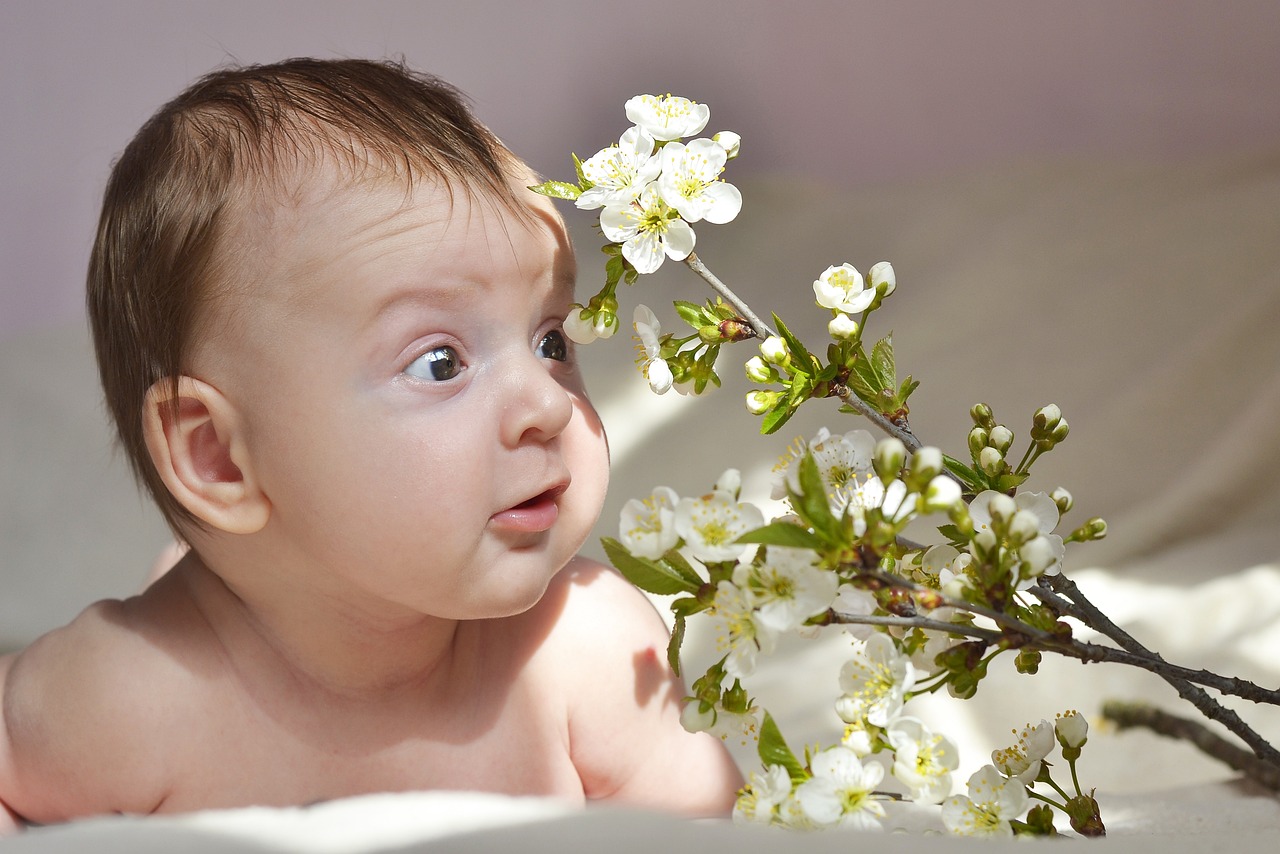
(553, 346)
(439, 364)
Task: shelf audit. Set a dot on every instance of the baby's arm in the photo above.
(625, 734)
(9, 821)
(70, 746)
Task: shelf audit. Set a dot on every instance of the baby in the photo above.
(327, 314)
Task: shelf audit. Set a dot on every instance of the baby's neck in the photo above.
(324, 645)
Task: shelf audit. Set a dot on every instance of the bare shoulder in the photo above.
(624, 701)
(86, 709)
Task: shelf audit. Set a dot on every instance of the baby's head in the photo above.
(234, 228)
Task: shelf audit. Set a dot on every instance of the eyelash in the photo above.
(445, 359)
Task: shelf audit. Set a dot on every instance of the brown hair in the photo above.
(168, 207)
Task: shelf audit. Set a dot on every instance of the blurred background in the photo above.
(1081, 200)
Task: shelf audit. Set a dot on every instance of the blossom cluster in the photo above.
(922, 617)
(649, 187)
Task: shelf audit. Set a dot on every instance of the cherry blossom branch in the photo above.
(1128, 715)
(1084, 610)
(761, 329)
(989, 635)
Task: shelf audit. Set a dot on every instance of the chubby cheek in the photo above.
(587, 452)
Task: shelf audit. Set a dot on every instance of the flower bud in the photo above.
(959, 515)
(978, 437)
(1059, 432)
(735, 329)
(578, 326)
(981, 415)
(1045, 419)
(926, 463)
(1001, 438)
(709, 334)
(760, 402)
(759, 372)
(1001, 507)
(941, 494)
(1024, 526)
(606, 323)
(889, 457)
(842, 327)
(1094, 529)
(1071, 729)
(1037, 556)
(730, 483)
(1063, 499)
(991, 461)
(697, 716)
(774, 350)
(730, 142)
(984, 543)
(882, 278)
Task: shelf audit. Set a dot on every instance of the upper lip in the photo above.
(550, 493)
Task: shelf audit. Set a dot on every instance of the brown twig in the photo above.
(1127, 715)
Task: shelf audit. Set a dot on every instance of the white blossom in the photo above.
(647, 527)
(620, 172)
(738, 632)
(843, 289)
(840, 460)
(855, 602)
(840, 790)
(875, 682)
(923, 760)
(729, 141)
(1023, 759)
(1071, 729)
(788, 587)
(668, 117)
(759, 800)
(709, 525)
(649, 230)
(690, 182)
(649, 350)
(991, 804)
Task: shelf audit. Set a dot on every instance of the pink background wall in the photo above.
(845, 92)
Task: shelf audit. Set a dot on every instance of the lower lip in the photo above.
(535, 517)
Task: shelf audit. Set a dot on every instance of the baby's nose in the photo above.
(536, 408)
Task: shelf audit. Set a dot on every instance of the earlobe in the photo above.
(197, 445)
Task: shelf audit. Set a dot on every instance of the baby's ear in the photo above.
(197, 445)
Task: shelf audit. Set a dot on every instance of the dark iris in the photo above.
(441, 364)
(553, 346)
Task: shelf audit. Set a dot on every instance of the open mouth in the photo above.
(534, 515)
(543, 497)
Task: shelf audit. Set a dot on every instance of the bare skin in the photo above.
(168, 714)
(394, 463)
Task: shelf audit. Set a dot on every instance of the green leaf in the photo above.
(864, 380)
(775, 418)
(970, 477)
(882, 362)
(613, 269)
(952, 533)
(557, 190)
(650, 576)
(774, 751)
(800, 355)
(677, 562)
(673, 645)
(690, 312)
(1012, 480)
(783, 534)
(687, 606)
(812, 505)
(582, 178)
